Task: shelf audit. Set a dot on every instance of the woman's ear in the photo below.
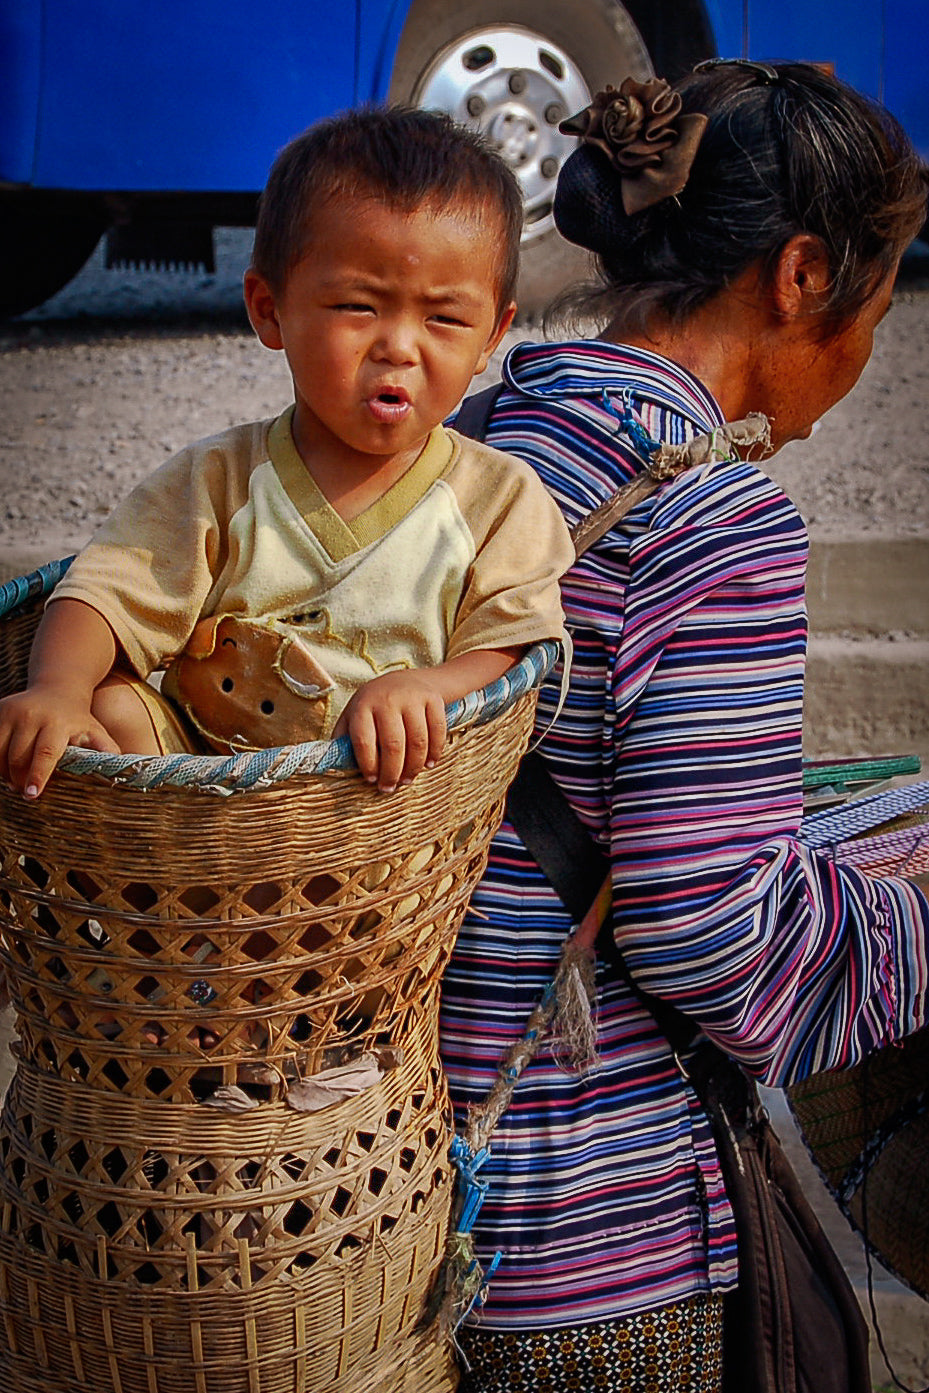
(261, 305)
(801, 276)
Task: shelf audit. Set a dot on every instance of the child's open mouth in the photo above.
(390, 405)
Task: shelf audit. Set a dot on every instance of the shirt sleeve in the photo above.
(522, 548)
(151, 566)
(791, 962)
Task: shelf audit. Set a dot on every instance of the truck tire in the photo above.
(514, 69)
(42, 245)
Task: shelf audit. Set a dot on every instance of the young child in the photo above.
(352, 565)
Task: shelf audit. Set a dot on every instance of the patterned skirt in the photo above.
(678, 1349)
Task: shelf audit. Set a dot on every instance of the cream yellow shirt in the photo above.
(463, 552)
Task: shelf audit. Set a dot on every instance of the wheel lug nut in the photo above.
(554, 113)
(549, 167)
(476, 104)
(517, 83)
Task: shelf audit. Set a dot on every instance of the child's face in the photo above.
(384, 322)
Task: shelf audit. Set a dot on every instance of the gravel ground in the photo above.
(120, 369)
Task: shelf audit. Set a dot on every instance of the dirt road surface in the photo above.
(121, 369)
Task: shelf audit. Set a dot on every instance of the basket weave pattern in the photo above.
(162, 945)
(868, 1130)
(867, 1126)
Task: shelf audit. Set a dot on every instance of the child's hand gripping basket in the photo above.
(185, 1207)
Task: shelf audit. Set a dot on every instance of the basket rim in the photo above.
(257, 769)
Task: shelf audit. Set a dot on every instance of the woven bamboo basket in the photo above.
(188, 940)
(867, 1127)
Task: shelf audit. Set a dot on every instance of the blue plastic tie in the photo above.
(473, 1190)
(629, 424)
(480, 1296)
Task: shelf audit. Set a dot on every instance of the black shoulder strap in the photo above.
(543, 818)
(570, 859)
(550, 829)
(475, 412)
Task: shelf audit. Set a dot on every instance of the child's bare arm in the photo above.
(397, 722)
(73, 650)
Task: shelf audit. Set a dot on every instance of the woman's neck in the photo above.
(719, 343)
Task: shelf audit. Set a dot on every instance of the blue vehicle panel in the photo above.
(905, 77)
(727, 23)
(184, 96)
(21, 66)
(846, 36)
(156, 118)
(180, 95)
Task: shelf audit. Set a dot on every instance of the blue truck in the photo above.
(153, 123)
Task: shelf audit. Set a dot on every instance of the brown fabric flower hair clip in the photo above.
(642, 133)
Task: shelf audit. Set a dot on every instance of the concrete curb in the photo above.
(867, 690)
(869, 586)
(866, 696)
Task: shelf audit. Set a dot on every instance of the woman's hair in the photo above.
(787, 149)
(397, 156)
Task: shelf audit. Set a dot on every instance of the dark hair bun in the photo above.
(588, 207)
(786, 149)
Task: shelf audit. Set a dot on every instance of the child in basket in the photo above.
(352, 565)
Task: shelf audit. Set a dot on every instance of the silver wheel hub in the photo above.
(515, 86)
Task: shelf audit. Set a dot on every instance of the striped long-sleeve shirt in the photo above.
(679, 747)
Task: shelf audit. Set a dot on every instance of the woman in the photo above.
(748, 235)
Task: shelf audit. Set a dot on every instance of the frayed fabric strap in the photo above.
(661, 461)
(665, 462)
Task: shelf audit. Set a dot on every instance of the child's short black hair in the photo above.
(398, 155)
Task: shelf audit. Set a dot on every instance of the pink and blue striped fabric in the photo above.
(679, 747)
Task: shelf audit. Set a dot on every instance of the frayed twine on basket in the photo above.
(574, 1027)
(460, 1289)
(461, 1285)
(712, 447)
(465, 1282)
(565, 1017)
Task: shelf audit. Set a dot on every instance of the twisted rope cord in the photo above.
(563, 1013)
(256, 769)
(14, 593)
